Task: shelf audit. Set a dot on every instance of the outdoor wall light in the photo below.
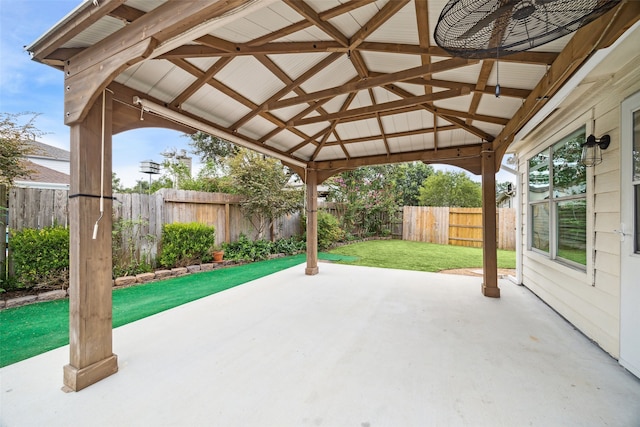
(592, 150)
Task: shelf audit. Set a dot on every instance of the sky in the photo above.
(28, 86)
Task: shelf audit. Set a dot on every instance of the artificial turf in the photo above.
(33, 329)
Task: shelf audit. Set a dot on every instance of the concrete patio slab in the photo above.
(352, 346)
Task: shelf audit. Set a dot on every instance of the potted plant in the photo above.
(218, 254)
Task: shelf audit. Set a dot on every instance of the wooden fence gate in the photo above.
(456, 226)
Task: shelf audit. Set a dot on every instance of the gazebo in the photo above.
(323, 85)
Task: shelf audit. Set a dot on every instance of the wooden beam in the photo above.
(447, 84)
(485, 71)
(387, 11)
(421, 131)
(83, 87)
(290, 87)
(85, 17)
(480, 117)
(489, 239)
(436, 112)
(422, 21)
(370, 111)
(91, 70)
(312, 222)
(91, 355)
(540, 58)
(442, 155)
(374, 82)
(343, 8)
(305, 10)
(127, 116)
(126, 13)
(200, 82)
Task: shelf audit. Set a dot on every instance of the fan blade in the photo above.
(488, 19)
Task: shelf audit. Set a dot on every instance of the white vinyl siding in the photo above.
(589, 299)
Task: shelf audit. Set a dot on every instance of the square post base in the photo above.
(76, 379)
(311, 271)
(490, 291)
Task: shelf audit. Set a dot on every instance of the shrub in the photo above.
(329, 232)
(41, 257)
(247, 250)
(290, 246)
(185, 244)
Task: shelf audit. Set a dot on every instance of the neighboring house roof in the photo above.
(45, 151)
(42, 174)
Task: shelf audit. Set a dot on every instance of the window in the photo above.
(557, 202)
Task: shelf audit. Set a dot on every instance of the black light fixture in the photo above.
(592, 150)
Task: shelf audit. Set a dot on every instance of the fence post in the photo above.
(4, 221)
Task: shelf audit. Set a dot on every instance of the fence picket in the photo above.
(456, 226)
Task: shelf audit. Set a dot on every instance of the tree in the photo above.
(263, 181)
(367, 196)
(453, 189)
(116, 184)
(408, 178)
(213, 150)
(14, 145)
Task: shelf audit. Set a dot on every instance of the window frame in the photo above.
(552, 202)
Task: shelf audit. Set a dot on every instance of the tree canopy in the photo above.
(366, 195)
(213, 150)
(263, 181)
(14, 145)
(408, 178)
(453, 189)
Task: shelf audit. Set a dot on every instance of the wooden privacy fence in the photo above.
(456, 226)
(38, 208)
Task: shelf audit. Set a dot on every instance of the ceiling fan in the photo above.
(493, 28)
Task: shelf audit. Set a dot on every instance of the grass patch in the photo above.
(33, 329)
(419, 256)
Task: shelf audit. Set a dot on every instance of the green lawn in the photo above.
(33, 329)
(405, 255)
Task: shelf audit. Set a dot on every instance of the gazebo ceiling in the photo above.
(331, 84)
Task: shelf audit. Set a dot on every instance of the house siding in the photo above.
(589, 299)
(57, 165)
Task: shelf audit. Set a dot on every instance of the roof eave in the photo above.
(65, 29)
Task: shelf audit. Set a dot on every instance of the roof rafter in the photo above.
(374, 81)
(387, 11)
(305, 10)
(438, 113)
(370, 111)
(292, 85)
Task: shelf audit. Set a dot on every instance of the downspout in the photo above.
(518, 278)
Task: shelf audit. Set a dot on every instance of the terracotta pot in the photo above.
(217, 256)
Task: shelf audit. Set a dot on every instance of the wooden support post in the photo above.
(90, 310)
(312, 222)
(489, 247)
